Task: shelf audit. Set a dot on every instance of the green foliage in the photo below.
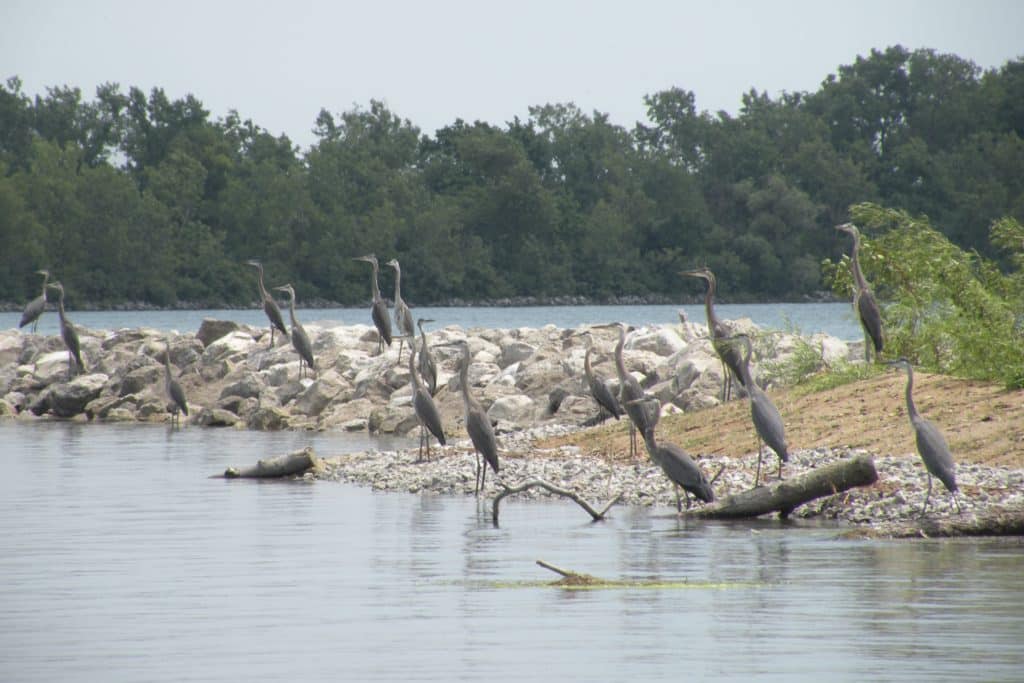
(135, 195)
(946, 309)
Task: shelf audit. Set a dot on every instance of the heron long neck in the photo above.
(291, 308)
(46, 278)
(374, 288)
(423, 336)
(263, 290)
(911, 408)
(745, 365)
(858, 276)
(167, 361)
(464, 379)
(587, 369)
(413, 379)
(709, 308)
(60, 306)
(398, 283)
(620, 365)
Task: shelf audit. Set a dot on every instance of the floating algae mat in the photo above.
(577, 581)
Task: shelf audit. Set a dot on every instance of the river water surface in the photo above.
(832, 318)
(121, 560)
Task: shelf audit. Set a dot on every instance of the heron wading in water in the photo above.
(478, 424)
(174, 391)
(931, 445)
(727, 353)
(863, 300)
(378, 307)
(34, 309)
(69, 334)
(403, 314)
(269, 305)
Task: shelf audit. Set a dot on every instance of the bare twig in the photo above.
(551, 488)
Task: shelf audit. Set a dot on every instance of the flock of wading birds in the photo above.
(643, 411)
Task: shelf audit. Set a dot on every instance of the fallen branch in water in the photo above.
(551, 488)
(571, 578)
(786, 495)
(286, 465)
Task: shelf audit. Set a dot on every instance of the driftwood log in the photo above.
(786, 495)
(997, 521)
(286, 465)
(596, 515)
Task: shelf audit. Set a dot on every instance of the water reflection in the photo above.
(121, 560)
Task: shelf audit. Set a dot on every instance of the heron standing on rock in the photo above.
(403, 314)
(69, 334)
(931, 445)
(378, 307)
(300, 340)
(269, 305)
(34, 309)
(427, 366)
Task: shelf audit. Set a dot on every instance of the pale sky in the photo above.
(436, 61)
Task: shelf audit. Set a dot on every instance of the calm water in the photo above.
(835, 319)
(121, 561)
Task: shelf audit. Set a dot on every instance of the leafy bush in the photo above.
(944, 309)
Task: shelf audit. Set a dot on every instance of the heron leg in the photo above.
(632, 439)
(679, 505)
(957, 501)
(757, 477)
(927, 495)
(476, 477)
(483, 474)
(781, 463)
(401, 343)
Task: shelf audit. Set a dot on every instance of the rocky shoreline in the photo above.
(530, 380)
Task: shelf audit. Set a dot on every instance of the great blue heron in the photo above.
(34, 309)
(300, 340)
(174, 391)
(727, 353)
(378, 308)
(677, 465)
(863, 300)
(599, 390)
(767, 420)
(403, 314)
(68, 333)
(630, 392)
(426, 411)
(426, 364)
(931, 445)
(478, 425)
(269, 305)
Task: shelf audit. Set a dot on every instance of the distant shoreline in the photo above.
(499, 302)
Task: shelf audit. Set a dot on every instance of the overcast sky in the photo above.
(435, 61)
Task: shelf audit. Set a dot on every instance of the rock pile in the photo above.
(232, 377)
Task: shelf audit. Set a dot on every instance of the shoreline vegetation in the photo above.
(531, 381)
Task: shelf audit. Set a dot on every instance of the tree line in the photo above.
(135, 197)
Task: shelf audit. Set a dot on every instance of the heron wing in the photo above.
(481, 433)
(177, 395)
(274, 315)
(605, 398)
(381, 321)
(768, 423)
(682, 470)
(871, 318)
(428, 414)
(934, 450)
(33, 310)
(300, 340)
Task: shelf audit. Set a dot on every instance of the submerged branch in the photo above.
(557, 490)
